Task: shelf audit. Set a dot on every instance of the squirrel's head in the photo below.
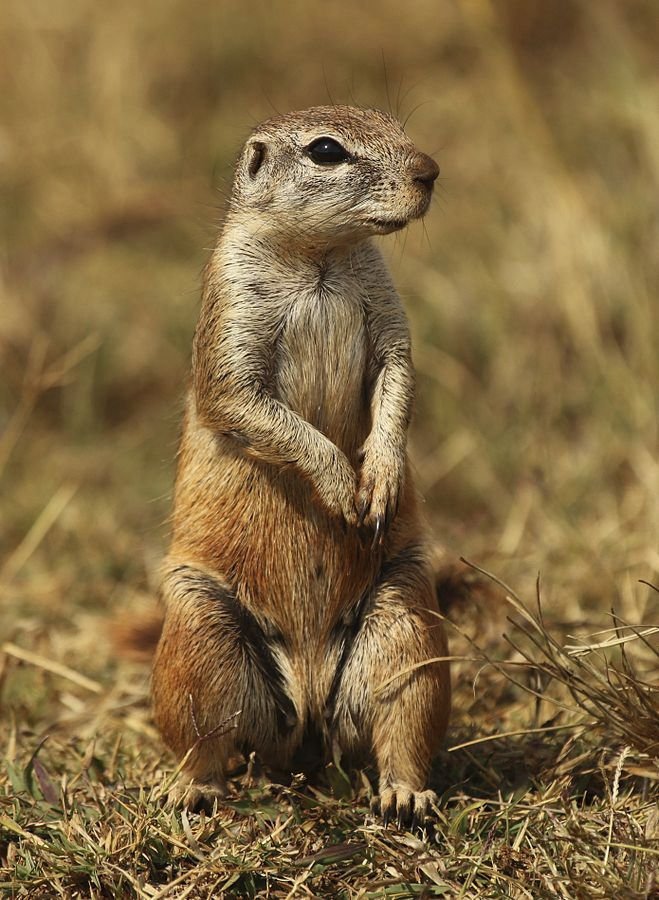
(332, 175)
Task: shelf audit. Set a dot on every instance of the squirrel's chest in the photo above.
(321, 365)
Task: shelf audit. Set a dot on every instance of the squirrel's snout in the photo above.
(424, 169)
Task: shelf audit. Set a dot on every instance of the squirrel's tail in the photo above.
(136, 637)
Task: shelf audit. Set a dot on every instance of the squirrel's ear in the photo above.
(257, 155)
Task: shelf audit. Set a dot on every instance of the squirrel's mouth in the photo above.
(386, 226)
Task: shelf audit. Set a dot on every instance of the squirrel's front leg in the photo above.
(384, 451)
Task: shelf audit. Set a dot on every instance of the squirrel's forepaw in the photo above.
(336, 488)
(377, 498)
(341, 505)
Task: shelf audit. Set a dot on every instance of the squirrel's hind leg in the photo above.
(391, 697)
(217, 687)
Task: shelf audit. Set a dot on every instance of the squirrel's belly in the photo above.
(264, 532)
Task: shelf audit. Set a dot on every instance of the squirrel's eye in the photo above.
(325, 151)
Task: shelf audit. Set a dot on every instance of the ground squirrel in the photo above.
(297, 588)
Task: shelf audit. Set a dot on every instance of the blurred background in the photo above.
(531, 286)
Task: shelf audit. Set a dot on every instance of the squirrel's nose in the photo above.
(424, 169)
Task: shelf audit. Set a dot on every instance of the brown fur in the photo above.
(297, 580)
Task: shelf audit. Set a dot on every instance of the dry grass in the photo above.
(532, 292)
